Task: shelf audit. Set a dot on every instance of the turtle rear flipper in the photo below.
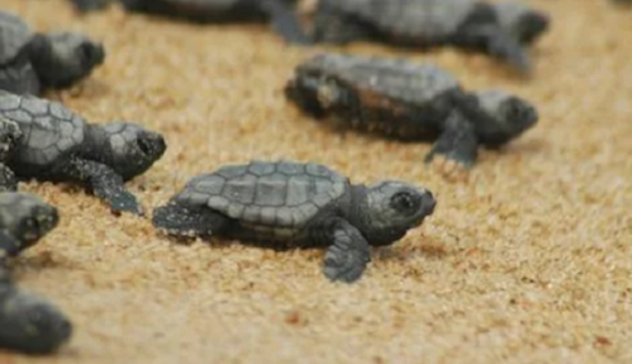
(185, 221)
(285, 22)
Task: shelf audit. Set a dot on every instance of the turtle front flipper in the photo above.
(493, 41)
(506, 48)
(284, 21)
(349, 254)
(104, 183)
(456, 149)
(184, 221)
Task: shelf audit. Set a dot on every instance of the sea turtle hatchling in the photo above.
(409, 101)
(468, 24)
(292, 205)
(59, 146)
(278, 12)
(28, 323)
(31, 62)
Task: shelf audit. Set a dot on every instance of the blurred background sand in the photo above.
(528, 262)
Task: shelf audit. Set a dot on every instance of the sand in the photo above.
(529, 261)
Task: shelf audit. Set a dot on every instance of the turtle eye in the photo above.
(405, 202)
(143, 145)
(30, 228)
(515, 111)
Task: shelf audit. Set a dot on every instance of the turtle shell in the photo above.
(49, 130)
(431, 20)
(275, 194)
(375, 78)
(14, 35)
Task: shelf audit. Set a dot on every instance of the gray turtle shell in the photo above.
(375, 78)
(14, 35)
(273, 194)
(433, 20)
(49, 130)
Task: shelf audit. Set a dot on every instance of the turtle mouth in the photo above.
(152, 145)
(92, 54)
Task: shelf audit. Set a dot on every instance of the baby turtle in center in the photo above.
(296, 205)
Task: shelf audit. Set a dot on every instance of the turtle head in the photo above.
(132, 149)
(500, 117)
(521, 21)
(10, 133)
(62, 58)
(312, 93)
(26, 218)
(30, 324)
(393, 208)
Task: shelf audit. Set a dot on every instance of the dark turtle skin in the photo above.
(57, 145)
(468, 24)
(28, 323)
(408, 101)
(278, 12)
(287, 205)
(31, 62)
